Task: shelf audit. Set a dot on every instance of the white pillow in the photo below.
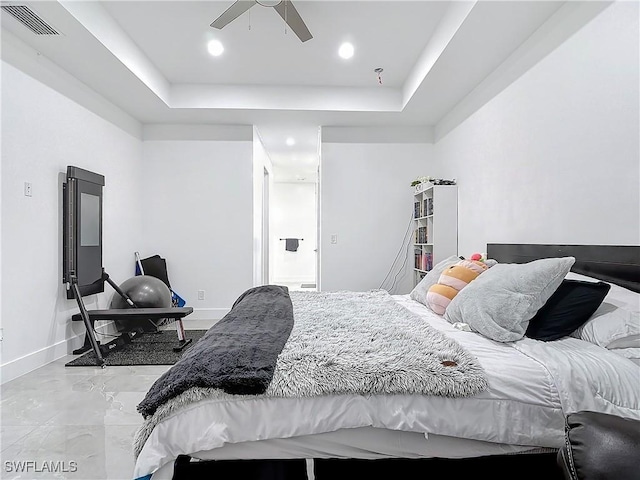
(618, 296)
(632, 354)
(611, 327)
(616, 323)
(419, 292)
(500, 302)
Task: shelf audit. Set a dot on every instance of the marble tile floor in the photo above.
(79, 421)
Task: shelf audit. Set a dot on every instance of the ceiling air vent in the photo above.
(29, 19)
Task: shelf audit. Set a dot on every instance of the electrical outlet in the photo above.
(334, 239)
(200, 294)
(27, 189)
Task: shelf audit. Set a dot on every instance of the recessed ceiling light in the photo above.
(291, 141)
(346, 50)
(215, 48)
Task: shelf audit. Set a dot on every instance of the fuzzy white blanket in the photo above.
(356, 343)
(366, 343)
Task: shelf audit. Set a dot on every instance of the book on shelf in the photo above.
(421, 235)
(423, 261)
(423, 208)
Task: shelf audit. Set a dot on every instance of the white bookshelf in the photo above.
(435, 225)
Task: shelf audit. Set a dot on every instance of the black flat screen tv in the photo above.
(82, 231)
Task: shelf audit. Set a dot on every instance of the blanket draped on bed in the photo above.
(237, 355)
(367, 343)
(353, 343)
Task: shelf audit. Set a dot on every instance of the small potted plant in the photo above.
(421, 183)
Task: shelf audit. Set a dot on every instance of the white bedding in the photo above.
(532, 386)
(366, 443)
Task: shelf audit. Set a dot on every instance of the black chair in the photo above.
(600, 446)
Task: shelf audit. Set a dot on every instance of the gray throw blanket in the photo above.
(237, 355)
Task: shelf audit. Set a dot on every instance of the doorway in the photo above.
(292, 205)
(294, 224)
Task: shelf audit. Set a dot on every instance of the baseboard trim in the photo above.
(200, 319)
(34, 360)
(205, 314)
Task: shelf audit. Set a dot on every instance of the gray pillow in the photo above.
(500, 302)
(419, 292)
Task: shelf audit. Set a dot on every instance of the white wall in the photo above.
(42, 133)
(367, 202)
(554, 158)
(197, 212)
(293, 215)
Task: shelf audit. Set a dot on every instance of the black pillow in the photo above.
(570, 306)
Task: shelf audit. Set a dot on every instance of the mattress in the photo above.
(532, 386)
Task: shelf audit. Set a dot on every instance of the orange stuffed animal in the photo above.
(451, 281)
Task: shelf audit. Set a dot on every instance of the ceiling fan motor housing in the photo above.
(284, 8)
(269, 3)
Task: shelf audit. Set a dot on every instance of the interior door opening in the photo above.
(293, 212)
(292, 205)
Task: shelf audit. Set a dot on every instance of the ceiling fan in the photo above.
(284, 8)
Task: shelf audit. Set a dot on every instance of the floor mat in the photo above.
(148, 349)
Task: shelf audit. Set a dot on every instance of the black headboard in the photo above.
(618, 264)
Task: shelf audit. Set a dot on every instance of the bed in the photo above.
(509, 412)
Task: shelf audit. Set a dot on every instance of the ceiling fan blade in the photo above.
(290, 15)
(233, 12)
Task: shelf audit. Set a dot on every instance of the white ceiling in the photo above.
(266, 55)
(149, 58)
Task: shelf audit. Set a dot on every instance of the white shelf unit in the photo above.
(435, 222)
